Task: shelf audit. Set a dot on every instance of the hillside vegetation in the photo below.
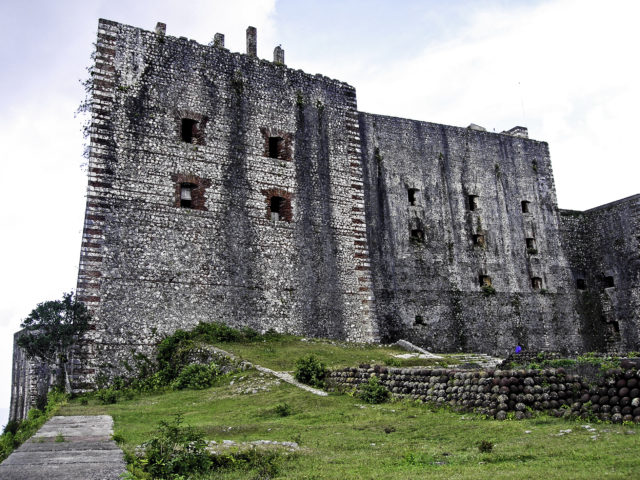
(341, 436)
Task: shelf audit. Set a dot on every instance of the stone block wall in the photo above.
(222, 187)
(30, 381)
(449, 209)
(497, 393)
(603, 248)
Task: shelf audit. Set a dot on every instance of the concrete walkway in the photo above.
(87, 452)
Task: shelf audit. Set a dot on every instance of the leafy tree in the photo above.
(51, 328)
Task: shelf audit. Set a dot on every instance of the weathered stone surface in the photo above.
(224, 187)
(86, 452)
(477, 390)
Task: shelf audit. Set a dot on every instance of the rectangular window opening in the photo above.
(608, 282)
(473, 202)
(186, 199)
(275, 207)
(412, 196)
(536, 283)
(581, 284)
(418, 320)
(616, 326)
(189, 129)
(417, 236)
(275, 146)
(525, 206)
(485, 280)
(478, 240)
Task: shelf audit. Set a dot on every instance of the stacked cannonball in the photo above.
(516, 393)
(615, 397)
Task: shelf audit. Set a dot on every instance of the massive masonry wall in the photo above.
(603, 248)
(223, 187)
(444, 212)
(272, 233)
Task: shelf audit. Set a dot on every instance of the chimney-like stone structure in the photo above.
(278, 55)
(161, 28)
(218, 40)
(252, 42)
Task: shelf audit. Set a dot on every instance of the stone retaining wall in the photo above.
(615, 396)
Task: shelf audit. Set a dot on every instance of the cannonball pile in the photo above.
(496, 393)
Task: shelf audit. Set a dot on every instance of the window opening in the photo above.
(608, 282)
(485, 280)
(581, 284)
(536, 283)
(616, 326)
(275, 144)
(412, 196)
(275, 206)
(185, 195)
(525, 206)
(478, 240)
(417, 236)
(189, 127)
(473, 202)
(531, 243)
(418, 320)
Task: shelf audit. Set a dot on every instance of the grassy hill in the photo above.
(341, 437)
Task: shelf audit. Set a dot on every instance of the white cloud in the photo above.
(564, 69)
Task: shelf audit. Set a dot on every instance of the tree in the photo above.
(51, 329)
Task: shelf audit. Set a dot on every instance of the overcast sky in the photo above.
(566, 69)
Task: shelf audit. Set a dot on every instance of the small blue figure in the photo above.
(518, 348)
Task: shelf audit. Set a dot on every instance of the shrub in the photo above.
(283, 409)
(488, 290)
(196, 376)
(373, 391)
(485, 446)
(311, 371)
(12, 427)
(107, 396)
(176, 450)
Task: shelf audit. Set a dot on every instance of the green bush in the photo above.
(283, 409)
(176, 450)
(311, 371)
(107, 396)
(488, 290)
(373, 391)
(196, 376)
(485, 446)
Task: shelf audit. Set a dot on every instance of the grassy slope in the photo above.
(341, 438)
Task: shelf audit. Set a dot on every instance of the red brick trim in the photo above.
(285, 150)
(286, 211)
(199, 129)
(200, 185)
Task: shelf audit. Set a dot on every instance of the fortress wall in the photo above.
(30, 380)
(224, 187)
(603, 248)
(429, 289)
(152, 264)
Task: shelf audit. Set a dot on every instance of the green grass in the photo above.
(342, 438)
(281, 354)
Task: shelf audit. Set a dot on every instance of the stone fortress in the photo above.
(224, 187)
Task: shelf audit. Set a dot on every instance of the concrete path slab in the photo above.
(87, 452)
